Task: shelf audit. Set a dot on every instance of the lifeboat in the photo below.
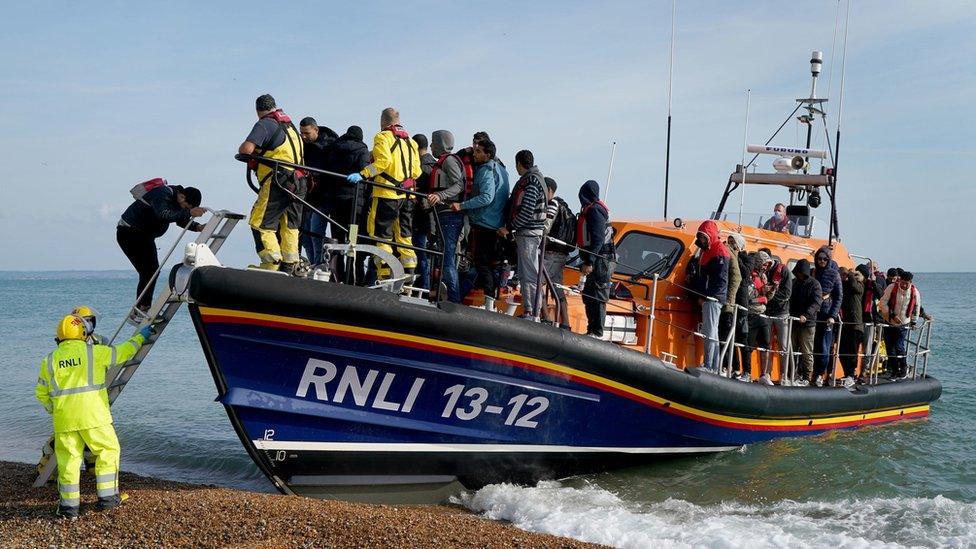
(388, 394)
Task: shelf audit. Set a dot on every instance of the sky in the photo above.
(100, 96)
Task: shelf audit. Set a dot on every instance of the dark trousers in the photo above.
(485, 244)
(850, 342)
(823, 341)
(140, 248)
(341, 213)
(596, 293)
(896, 345)
(758, 337)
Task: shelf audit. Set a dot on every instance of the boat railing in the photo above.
(870, 359)
(353, 229)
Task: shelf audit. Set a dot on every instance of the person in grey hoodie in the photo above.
(526, 219)
(446, 188)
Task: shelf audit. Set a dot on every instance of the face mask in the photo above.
(700, 242)
(778, 216)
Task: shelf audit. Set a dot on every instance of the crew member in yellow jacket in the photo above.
(395, 165)
(71, 386)
(276, 214)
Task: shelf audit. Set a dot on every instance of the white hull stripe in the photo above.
(299, 446)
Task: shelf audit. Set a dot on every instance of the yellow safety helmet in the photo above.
(87, 313)
(72, 327)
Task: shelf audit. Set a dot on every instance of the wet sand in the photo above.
(161, 513)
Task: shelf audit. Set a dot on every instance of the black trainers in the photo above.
(66, 513)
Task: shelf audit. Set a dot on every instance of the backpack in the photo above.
(563, 227)
(141, 189)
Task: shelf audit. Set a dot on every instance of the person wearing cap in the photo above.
(347, 154)
(71, 387)
(421, 223)
(277, 214)
(804, 305)
(147, 219)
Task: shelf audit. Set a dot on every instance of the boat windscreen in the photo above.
(637, 251)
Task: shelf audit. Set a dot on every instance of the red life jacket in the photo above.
(466, 156)
(467, 170)
(893, 298)
(582, 235)
(757, 281)
(283, 121)
(776, 275)
(518, 193)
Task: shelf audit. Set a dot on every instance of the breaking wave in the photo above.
(592, 514)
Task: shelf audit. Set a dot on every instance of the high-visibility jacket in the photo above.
(71, 385)
(395, 160)
(292, 149)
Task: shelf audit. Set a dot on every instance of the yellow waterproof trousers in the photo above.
(392, 219)
(69, 447)
(275, 215)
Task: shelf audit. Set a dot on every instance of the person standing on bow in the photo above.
(805, 303)
(395, 166)
(317, 139)
(71, 387)
(852, 314)
(447, 183)
(276, 213)
(485, 209)
(711, 285)
(145, 220)
(347, 154)
(595, 241)
(779, 288)
(421, 217)
(526, 220)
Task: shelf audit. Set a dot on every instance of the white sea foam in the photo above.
(596, 515)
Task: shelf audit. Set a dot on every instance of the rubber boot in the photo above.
(67, 513)
(107, 503)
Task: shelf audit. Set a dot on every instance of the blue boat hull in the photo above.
(360, 390)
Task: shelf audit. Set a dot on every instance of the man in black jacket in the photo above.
(596, 246)
(421, 221)
(316, 139)
(779, 288)
(804, 305)
(147, 219)
(852, 315)
(347, 154)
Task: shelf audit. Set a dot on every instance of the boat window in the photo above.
(638, 251)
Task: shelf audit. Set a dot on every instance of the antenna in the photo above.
(840, 113)
(613, 152)
(667, 149)
(745, 134)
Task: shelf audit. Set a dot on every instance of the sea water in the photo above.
(908, 484)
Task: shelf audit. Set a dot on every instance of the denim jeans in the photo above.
(423, 265)
(711, 310)
(451, 225)
(313, 229)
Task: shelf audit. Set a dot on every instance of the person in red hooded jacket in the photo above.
(711, 284)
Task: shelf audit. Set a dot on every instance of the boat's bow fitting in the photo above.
(195, 255)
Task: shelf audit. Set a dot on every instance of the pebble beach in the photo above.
(162, 513)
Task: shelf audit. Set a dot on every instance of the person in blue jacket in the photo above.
(486, 213)
(828, 275)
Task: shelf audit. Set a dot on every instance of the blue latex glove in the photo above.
(354, 178)
(145, 332)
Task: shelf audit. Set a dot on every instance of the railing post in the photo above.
(835, 357)
(789, 372)
(918, 343)
(650, 317)
(928, 338)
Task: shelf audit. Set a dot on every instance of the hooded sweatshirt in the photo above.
(153, 213)
(713, 270)
(807, 296)
(781, 280)
(347, 154)
(829, 279)
(449, 185)
(315, 158)
(596, 220)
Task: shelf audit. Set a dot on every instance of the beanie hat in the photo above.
(355, 132)
(421, 141)
(763, 258)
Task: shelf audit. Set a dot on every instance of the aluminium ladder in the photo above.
(162, 311)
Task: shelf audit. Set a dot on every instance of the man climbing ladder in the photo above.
(71, 386)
